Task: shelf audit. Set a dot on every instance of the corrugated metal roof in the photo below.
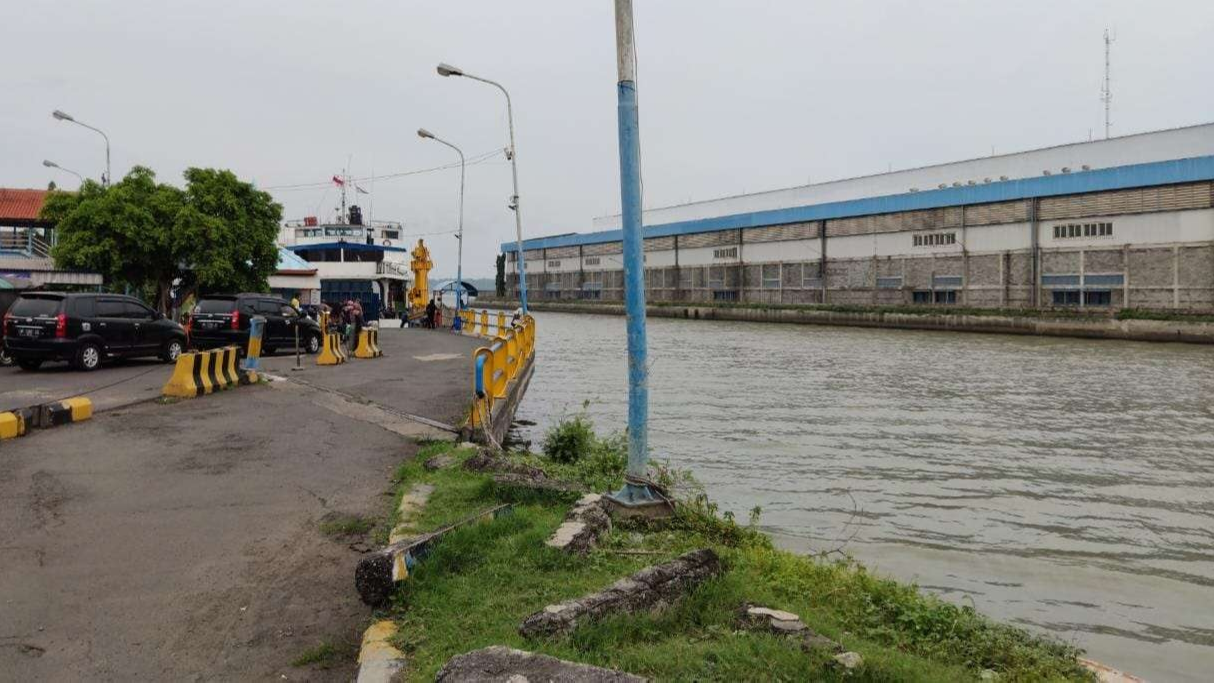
(289, 261)
(1122, 177)
(20, 205)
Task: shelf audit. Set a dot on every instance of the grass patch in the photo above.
(323, 656)
(339, 524)
(482, 581)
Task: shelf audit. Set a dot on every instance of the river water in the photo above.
(1062, 484)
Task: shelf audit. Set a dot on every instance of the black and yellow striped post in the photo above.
(63, 412)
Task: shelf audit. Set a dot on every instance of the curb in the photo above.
(378, 660)
(19, 422)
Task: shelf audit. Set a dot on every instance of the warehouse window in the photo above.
(724, 295)
(726, 252)
(946, 282)
(554, 264)
(921, 297)
(771, 276)
(1059, 280)
(1073, 230)
(593, 260)
(1109, 280)
(937, 239)
(889, 283)
(1066, 297)
(946, 297)
(1097, 298)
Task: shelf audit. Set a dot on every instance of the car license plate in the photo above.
(210, 324)
(28, 332)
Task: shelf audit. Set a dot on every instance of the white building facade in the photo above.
(1120, 223)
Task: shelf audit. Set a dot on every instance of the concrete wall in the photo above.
(1137, 247)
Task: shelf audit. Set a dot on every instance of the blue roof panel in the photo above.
(1117, 178)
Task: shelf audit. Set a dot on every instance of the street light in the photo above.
(50, 164)
(447, 70)
(459, 268)
(105, 180)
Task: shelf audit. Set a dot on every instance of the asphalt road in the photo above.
(181, 541)
(123, 383)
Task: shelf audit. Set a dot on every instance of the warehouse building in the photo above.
(1123, 222)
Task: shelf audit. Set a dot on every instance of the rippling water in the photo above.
(1062, 484)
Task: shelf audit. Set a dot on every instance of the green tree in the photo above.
(218, 233)
(500, 280)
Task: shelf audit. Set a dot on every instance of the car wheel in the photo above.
(88, 357)
(172, 349)
(5, 359)
(313, 345)
(29, 364)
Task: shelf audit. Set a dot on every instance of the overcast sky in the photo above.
(736, 96)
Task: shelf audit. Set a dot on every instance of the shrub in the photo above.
(569, 440)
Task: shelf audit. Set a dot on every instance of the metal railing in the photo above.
(25, 241)
(497, 365)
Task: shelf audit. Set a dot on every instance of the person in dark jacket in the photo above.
(431, 309)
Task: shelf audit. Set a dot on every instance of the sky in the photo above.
(735, 95)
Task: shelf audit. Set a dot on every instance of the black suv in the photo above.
(223, 320)
(85, 329)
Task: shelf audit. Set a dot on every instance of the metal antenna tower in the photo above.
(1106, 91)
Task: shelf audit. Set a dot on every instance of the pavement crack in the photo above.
(324, 503)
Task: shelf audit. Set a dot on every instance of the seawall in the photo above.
(1191, 332)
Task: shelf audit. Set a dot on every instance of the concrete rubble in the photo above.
(849, 661)
(585, 522)
(651, 588)
(499, 664)
(781, 623)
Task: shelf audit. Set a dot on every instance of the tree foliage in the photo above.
(217, 234)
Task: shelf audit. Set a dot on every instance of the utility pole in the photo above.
(637, 492)
(1106, 91)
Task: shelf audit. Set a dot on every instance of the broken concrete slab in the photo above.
(779, 622)
(651, 588)
(849, 660)
(507, 665)
(586, 521)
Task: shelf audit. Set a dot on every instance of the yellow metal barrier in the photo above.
(497, 365)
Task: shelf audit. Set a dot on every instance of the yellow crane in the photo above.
(419, 294)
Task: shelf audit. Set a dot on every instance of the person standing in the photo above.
(295, 301)
(431, 309)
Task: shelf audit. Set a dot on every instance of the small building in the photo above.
(295, 277)
(1126, 222)
(26, 241)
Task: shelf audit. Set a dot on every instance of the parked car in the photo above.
(85, 329)
(223, 320)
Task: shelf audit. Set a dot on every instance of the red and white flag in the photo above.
(339, 181)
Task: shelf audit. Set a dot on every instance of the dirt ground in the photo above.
(182, 541)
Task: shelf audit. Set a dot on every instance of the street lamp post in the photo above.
(448, 70)
(51, 164)
(459, 268)
(105, 180)
(638, 492)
